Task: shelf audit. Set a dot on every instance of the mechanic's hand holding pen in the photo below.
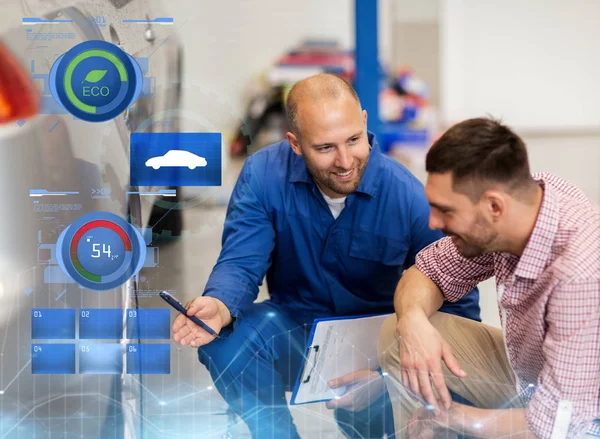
(209, 310)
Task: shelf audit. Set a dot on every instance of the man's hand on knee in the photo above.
(422, 350)
(211, 311)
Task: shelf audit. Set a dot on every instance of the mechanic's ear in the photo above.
(294, 143)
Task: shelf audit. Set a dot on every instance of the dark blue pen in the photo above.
(179, 307)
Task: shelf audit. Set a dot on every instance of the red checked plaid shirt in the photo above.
(549, 302)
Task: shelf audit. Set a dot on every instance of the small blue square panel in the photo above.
(100, 324)
(101, 358)
(149, 358)
(153, 324)
(53, 324)
(48, 358)
(175, 159)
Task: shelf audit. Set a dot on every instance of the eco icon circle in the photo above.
(100, 251)
(96, 81)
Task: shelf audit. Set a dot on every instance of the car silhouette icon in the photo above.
(176, 158)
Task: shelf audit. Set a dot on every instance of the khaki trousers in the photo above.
(480, 351)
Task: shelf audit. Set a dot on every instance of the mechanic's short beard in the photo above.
(325, 178)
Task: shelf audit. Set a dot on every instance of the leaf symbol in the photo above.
(94, 76)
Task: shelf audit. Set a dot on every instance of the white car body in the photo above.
(177, 158)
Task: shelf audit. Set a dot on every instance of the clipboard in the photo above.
(336, 346)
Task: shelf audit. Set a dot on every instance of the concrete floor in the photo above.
(185, 396)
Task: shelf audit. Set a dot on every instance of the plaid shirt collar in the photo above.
(537, 254)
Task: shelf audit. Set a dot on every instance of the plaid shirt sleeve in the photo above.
(572, 350)
(452, 273)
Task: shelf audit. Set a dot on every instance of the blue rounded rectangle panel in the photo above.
(175, 159)
(148, 324)
(149, 358)
(49, 358)
(101, 358)
(100, 324)
(52, 324)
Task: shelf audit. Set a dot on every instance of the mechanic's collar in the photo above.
(368, 184)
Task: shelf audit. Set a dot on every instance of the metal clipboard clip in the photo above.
(314, 349)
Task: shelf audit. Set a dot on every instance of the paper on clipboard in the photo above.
(335, 348)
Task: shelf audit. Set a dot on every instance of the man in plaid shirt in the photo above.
(540, 237)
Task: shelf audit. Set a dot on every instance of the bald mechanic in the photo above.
(332, 223)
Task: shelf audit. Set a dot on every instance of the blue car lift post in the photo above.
(367, 61)
(368, 81)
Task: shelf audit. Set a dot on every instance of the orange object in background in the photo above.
(18, 98)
